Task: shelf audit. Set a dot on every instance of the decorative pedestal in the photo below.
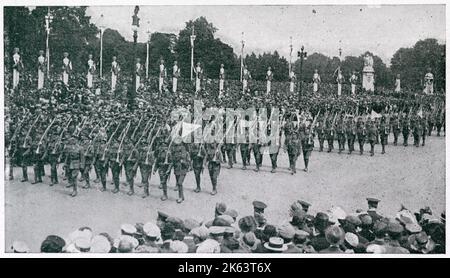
(368, 80)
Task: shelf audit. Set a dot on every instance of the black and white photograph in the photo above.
(250, 128)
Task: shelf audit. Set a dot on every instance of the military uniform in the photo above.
(405, 130)
(293, 144)
(361, 135)
(145, 162)
(181, 164)
(329, 133)
(213, 159)
(307, 147)
(384, 131)
(38, 148)
(88, 151)
(340, 131)
(417, 131)
(439, 122)
(114, 159)
(74, 162)
(320, 134)
(101, 161)
(130, 160)
(350, 132)
(163, 166)
(24, 153)
(395, 125)
(372, 134)
(198, 155)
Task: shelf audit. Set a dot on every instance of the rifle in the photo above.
(19, 127)
(109, 142)
(123, 135)
(137, 127)
(29, 130)
(43, 135)
(143, 133)
(150, 146)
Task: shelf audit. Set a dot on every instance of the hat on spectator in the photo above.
(53, 244)
(200, 232)
(334, 235)
(100, 244)
(208, 246)
(366, 220)
(286, 231)
(305, 205)
(376, 249)
(231, 212)
(162, 216)
(216, 230)
(276, 244)
(226, 218)
(373, 202)
(354, 220)
(301, 234)
(190, 224)
(247, 224)
(352, 239)
(127, 244)
(152, 230)
(220, 208)
(220, 222)
(83, 244)
(128, 229)
(395, 228)
(178, 246)
(20, 247)
(413, 228)
(177, 222)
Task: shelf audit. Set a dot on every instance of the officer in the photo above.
(37, 149)
(416, 130)
(340, 131)
(88, 157)
(292, 143)
(384, 131)
(145, 162)
(329, 133)
(245, 147)
(114, 161)
(424, 130)
(350, 132)
(372, 133)
(213, 159)
(361, 134)
(181, 164)
(129, 160)
(74, 162)
(307, 144)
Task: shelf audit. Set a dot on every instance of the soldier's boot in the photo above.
(36, 175)
(274, 169)
(103, 189)
(164, 196)
(116, 187)
(88, 184)
(257, 168)
(11, 172)
(24, 174)
(372, 152)
(180, 194)
(306, 164)
(230, 163)
(131, 190)
(197, 181)
(382, 149)
(74, 191)
(146, 193)
(214, 191)
(423, 142)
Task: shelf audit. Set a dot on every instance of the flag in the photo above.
(374, 115)
(188, 128)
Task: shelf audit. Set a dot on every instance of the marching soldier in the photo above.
(129, 160)
(405, 129)
(41, 69)
(307, 144)
(25, 153)
(145, 161)
(181, 165)
(66, 69)
(384, 131)
(439, 122)
(417, 131)
(350, 132)
(395, 125)
(17, 67)
(424, 130)
(258, 154)
(74, 162)
(274, 148)
(213, 159)
(372, 133)
(329, 133)
(114, 155)
(361, 134)
(245, 147)
(115, 70)
(162, 165)
(88, 152)
(91, 71)
(340, 131)
(320, 131)
(37, 149)
(431, 122)
(292, 143)
(175, 75)
(198, 154)
(101, 161)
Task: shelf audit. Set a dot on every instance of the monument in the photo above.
(368, 73)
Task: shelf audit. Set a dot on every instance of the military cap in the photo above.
(128, 229)
(395, 228)
(162, 216)
(373, 200)
(259, 206)
(20, 247)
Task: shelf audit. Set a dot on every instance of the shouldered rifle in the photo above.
(109, 142)
(29, 130)
(123, 135)
(45, 134)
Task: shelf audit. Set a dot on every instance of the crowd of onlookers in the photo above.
(332, 231)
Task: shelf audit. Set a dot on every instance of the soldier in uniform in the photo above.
(372, 133)
(114, 156)
(405, 129)
(329, 133)
(245, 147)
(424, 130)
(181, 164)
(145, 162)
(274, 148)
(416, 131)
(101, 161)
(319, 128)
(431, 122)
(307, 144)
(162, 164)
(198, 155)
(213, 159)
(395, 125)
(350, 132)
(257, 153)
(88, 152)
(24, 153)
(38, 148)
(292, 142)
(74, 162)
(384, 131)
(340, 130)
(129, 160)
(361, 134)
(439, 122)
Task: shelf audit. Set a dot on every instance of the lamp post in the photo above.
(102, 27)
(290, 57)
(48, 20)
(148, 47)
(302, 55)
(242, 55)
(192, 50)
(135, 28)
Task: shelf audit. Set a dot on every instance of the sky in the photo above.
(381, 29)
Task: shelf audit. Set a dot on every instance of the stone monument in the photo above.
(368, 73)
